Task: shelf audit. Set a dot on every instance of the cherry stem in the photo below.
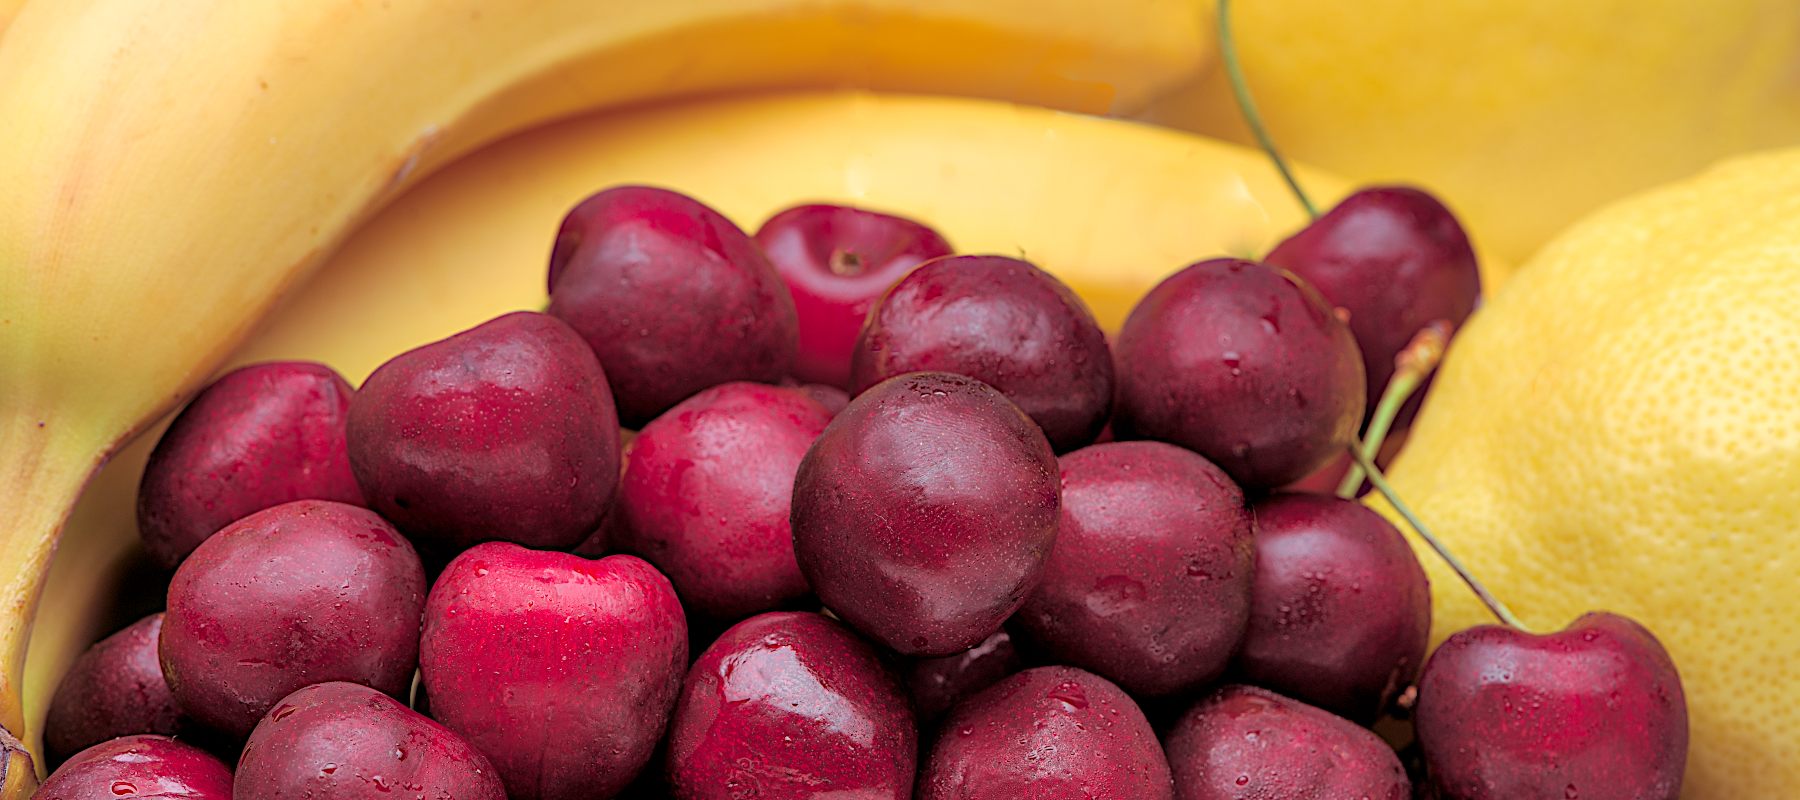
(1499, 609)
(1240, 88)
(845, 263)
(1412, 365)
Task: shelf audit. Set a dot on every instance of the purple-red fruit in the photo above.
(139, 766)
(1245, 743)
(671, 296)
(1046, 734)
(1341, 609)
(1594, 711)
(1244, 364)
(925, 512)
(115, 688)
(504, 431)
(1149, 583)
(836, 260)
(561, 670)
(302, 593)
(1397, 260)
(706, 494)
(600, 541)
(348, 742)
(938, 684)
(1004, 322)
(259, 436)
(831, 397)
(791, 705)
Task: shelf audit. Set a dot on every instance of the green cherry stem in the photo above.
(1499, 609)
(1240, 88)
(1412, 365)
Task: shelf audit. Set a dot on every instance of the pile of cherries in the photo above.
(894, 523)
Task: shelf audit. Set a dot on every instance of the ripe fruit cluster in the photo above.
(893, 523)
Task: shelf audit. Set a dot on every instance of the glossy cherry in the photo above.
(302, 593)
(1045, 733)
(561, 670)
(139, 766)
(1245, 743)
(1244, 364)
(791, 705)
(925, 512)
(341, 740)
(1149, 582)
(505, 431)
(257, 437)
(706, 494)
(1341, 609)
(115, 688)
(836, 260)
(1396, 259)
(671, 296)
(1004, 322)
(1594, 711)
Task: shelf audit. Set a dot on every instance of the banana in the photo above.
(8, 10)
(173, 166)
(1109, 206)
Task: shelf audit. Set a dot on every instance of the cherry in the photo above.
(1049, 732)
(561, 670)
(116, 688)
(1594, 711)
(924, 513)
(836, 260)
(791, 705)
(706, 494)
(1340, 609)
(1004, 322)
(145, 766)
(302, 593)
(671, 296)
(257, 437)
(504, 431)
(1245, 743)
(831, 398)
(1244, 364)
(1397, 260)
(938, 684)
(343, 740)
(1149, 582)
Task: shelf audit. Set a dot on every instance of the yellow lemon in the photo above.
(1620, 429)
(1525, 114)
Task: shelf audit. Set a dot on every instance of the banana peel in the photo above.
(173, 167)
(8, 10)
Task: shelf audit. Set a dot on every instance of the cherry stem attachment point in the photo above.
(1240, 88)
(1499, 609)
(1412, 365)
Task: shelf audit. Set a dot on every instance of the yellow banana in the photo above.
(8, 10)
(171, 167)
(1109, 206)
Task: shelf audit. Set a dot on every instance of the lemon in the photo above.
(1524, 114)
(1620, 430)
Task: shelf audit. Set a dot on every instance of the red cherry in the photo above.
(1397, 260)
(836, 260)
(1594, 711)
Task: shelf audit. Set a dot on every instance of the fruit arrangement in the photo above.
(775, 559)
(1041, 533)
